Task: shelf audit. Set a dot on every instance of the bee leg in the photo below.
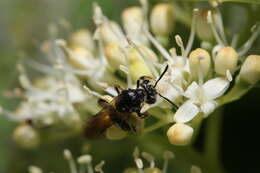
(142, 115)
(123, 125)
(118, 89)
(102, 102)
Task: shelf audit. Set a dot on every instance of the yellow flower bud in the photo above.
(180, 134)
(26, 136)
(138, 69)
(114, 55)
(82, 38)
(80, 58)
(131, 170)
(134, 54)
(152, 170)
(199, 59)
(250, 70)
(226, 59)
(109, 32)
(132, 19)
(115, 133)
(203, 29)
(162, 19)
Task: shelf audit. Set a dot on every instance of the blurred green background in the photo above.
(24, 25)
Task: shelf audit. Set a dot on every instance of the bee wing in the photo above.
(96, 125)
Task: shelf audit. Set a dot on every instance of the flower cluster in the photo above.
(197, 81)
(85, 164)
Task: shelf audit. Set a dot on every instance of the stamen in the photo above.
(180, 44)
(91, 92)
(68, 156)
(109, 89)
(220, 26)
(136, 153)
(23, 78)
(145, 59)
(99, 166)
(158, 46)
(85, 160)
(192, 33)
(167, 156)
(234, 41)
(149, 158)
(212, 26)
(247, 45)
(229, 76)
(139, 165)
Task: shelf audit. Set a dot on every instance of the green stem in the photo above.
(155, 126)
(212, 141)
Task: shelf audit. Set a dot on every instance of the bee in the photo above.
(124, 110)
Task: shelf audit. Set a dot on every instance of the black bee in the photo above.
(125, 109)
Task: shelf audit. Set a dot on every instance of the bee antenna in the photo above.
(160, 77)
(174, 105)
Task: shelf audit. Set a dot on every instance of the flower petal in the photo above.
(191, 90)
(186, 112)
(208, 107)
(216, 87)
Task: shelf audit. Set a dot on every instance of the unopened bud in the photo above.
(250, 70)
(81, 58)
(199, 61)
(203, 29)
(134, 54)
(180, 134)
(114, 55)
(26, 136)
(115, 133)
(138, 69)
(132, 19)
(131, 170)
(162, 19)
(34, 169)
(152, 170)
(110, 32)
(226, 59)
(82, 38)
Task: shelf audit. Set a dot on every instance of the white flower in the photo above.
(201, 98)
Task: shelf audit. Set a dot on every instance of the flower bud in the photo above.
(250, 70)
(134, 54)
(138, 69)
(226, 59)
(199, 59)
(132, 19)
(138, 66)
(34, 169)
(162, 19)
(203, 29)
(81, 58)
(131, 170)
(152, 170)
(82, 38)
(115, 133)
(109, 32)
(26, 136)
(114, 55)
(180, 134)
